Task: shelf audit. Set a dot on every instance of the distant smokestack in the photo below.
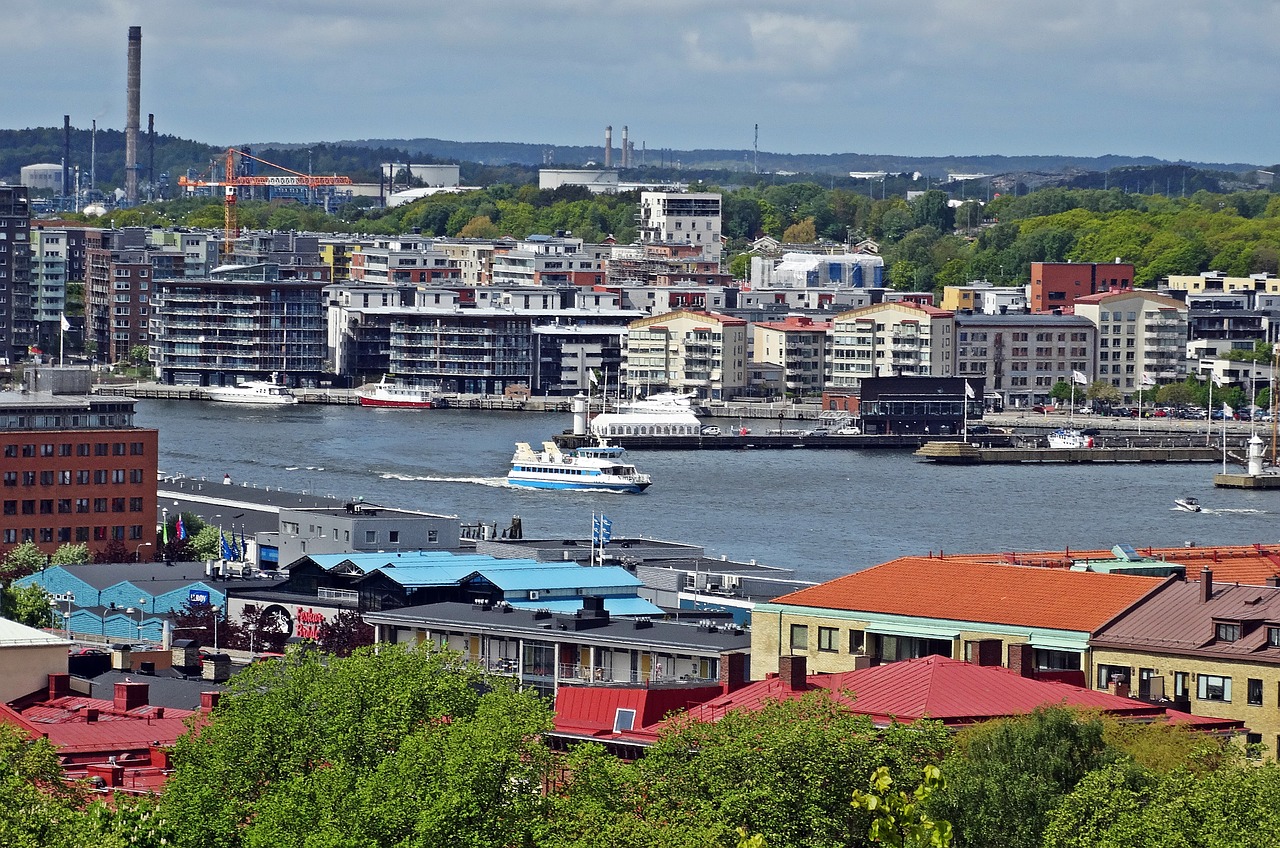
(132, 95)
(151, 150)
(66, 155)
(608, 146)
(626, 159)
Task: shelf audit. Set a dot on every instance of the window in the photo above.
(371, 537)
(1255, 692)
(857, 641)
(433, 536)
(46, 478)
(1180, 688)
(1273, 637)
(1109, 674)
(393, 536)
(1214, 688)
(827, 639)
(799, 637)
(1226, 632)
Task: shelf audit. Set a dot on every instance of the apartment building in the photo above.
(17, 319)
(693, 218)
(800, 345)
(118, 290)
(240, 323)
(1218, 281)
(403, 260)
(1057, 285)
(75, 468)
(541, 260)
(57, 257)
(896, 339)
(1139, 333)
(687, 351)
(986, 298)
(1023, 356)
(809, 270)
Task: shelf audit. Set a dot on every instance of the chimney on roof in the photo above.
(861, 661)
(59, 686)
(791, 670)
(130, 696)
(1274, 581)
(1022, 659)
(209, 700)
(733, 671)
(1206, 585)
(159, 757)
(987, 652)
(90, 715)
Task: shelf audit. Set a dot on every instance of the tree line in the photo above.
(417, 747)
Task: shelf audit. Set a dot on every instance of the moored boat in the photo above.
(256, 392)
(1069, 440)
(391, 394)
(552, 468)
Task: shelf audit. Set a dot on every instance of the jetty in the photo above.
(968, 453)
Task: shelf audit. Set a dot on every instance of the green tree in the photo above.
(401, 747)
(206, 544)
(899, 818)
(21, 560)
(70, 553)
(1005, 777)
(801, 232)
(1101, 391)
(1175, 394)
(1062, 391)
(27, 605)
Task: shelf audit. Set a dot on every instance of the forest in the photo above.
(416, 747)
(927, 242)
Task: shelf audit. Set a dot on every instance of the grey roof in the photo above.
(623, 633)
(210, 498)
(168, 688)
(1029, 318)
(154, 577)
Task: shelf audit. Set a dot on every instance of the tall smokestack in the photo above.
(132, 95)
(626, 160)
(66, 155)
(151, 152)
(608, 146)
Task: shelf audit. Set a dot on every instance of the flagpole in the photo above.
(1208, 431)
(965, 410)
(62, 337)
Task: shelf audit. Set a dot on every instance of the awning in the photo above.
(918, 631)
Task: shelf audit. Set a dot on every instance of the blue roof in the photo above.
(418, 576)
(615, 606)
(582, 577)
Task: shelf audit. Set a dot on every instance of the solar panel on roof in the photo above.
(1126, 553)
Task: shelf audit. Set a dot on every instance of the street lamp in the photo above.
(68, 598)
(137, 552)
(215, 609)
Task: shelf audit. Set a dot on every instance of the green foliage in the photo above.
(1005, 777)
(1175, 394)
(27, 605)
(401, 747)
(1261, 353)
(899, 818)
(205, 544)
(1062, 391)
(785, 772)
(1103, 392)
(70, 553)
(39, 809)
(21, 560)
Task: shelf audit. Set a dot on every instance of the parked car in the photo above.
(711, 430)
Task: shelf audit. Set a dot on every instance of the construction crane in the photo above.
(232, 181)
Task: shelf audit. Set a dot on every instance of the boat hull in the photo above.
(252, 400)
(533, 483)
(392, 403)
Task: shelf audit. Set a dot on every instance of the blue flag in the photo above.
(226, 549)
(606, 530)
(244, 546)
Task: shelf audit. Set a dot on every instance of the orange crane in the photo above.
(231, 181)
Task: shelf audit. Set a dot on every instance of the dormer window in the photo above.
(1226, 632)
(1273, 637)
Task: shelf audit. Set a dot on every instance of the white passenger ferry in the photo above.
(552, 468)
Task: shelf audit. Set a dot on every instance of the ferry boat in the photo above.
(390, 394)
(1069, 440)
(662, 414)
(586, 468)
(257, 392)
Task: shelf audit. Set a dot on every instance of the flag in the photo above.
(1218, 380)
(1147, 379)
(606, 530)
(33, 350)
(1228, 412)
(66, 325)
(164, 532)
(226, 549)
(1078, 378)
(594, 377)
(179, 530)
(244, 546)
(968, 390)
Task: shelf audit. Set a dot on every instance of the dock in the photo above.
(961, 453)
(1246, 481)
(752, 441)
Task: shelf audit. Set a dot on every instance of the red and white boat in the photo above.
(389, 394)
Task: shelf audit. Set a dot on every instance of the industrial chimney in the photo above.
(66, 156)
(608, 146)
(132, 115)
(626, 159)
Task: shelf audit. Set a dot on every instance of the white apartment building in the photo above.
(891, 340)
(816, 270)
(687, 351)
(800, 346)
(1139, 333)
(692, 218)
(1022, 356)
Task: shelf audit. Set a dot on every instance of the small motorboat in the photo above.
(1187, 504)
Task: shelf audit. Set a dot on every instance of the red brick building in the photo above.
(74, 468)
(1056, 285)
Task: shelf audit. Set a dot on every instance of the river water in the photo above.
(822, 512)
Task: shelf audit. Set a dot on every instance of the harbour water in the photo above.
(823, 513)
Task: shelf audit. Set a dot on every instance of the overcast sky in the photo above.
(1178, 79)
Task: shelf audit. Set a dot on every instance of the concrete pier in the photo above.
(959, 453)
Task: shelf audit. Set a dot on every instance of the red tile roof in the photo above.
(953, 692)
(1251, 564)
(960, 589)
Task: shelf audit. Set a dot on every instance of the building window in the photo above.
(1180, 688)
(371, 537)
(1226, 632)
(433, 536)
(1109, 674)
(1214, 688)
(827, 639)
(393, 536)
(1273, 637)
(1255, 692)
(799, 637)
(857, 641)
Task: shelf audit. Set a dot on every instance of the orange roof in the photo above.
(1248, 564)
(959, 589)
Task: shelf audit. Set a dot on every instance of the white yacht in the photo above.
(662, 414)
(390, 394)
(1069, 440)
(259, 392)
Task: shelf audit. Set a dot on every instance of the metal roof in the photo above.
(626, 607)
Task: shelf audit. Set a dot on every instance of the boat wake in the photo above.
(1236, 511)
(498, 482)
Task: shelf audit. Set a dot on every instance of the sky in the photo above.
(1183, 80)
